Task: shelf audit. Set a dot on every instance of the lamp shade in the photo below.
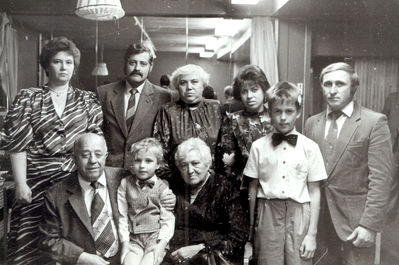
(100, 70)
(100, 10)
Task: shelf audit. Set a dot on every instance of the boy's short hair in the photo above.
(284, 91)
(149, 144)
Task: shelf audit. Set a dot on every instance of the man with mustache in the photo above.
(129, 106)
(356, 146)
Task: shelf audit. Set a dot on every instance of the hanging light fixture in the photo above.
(99, 10)
(100, 69)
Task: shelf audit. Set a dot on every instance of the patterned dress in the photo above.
(32, 125)
(215, 218)
(238, 131)
(176, 122)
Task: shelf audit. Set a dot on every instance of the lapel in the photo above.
(145, 104)
(118, 106)
(319, 128)
(345, 136)
(113, 182)
(77, 202)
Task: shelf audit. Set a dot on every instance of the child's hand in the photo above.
(308, 247)
(159, 252)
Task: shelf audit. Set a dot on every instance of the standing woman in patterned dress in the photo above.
(243, 127)
(39, 132)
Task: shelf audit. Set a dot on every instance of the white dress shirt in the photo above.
(88, 195)
(284, 170)
(136, 97)
(347, 113)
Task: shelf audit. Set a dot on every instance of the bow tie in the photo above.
(277, 138)
(149, 183)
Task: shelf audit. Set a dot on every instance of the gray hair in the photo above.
(189, 69)
(82, 136)
(193, 144)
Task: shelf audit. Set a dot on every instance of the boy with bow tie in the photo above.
(145, 227)
(286, 168)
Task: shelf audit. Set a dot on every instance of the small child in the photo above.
(286, 168)
(145, 227)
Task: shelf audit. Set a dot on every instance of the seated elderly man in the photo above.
(80, 213)
(210, 218)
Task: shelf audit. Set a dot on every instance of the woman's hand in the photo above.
(23, 193)
(185, 253)
(248, 253)
(169, 201)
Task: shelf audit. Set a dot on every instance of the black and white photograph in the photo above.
(199, 132)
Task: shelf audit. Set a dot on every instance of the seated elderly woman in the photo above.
(210, 219)
(191, 116)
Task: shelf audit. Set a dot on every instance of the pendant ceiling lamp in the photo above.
(100, 69)
(99, 10)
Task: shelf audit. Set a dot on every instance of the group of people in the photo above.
(135, 175)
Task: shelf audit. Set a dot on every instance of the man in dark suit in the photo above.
(356, 147)
(70, 232)
(130, 106)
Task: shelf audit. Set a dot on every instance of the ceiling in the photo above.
(166, 21)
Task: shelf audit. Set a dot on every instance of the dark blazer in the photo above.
(119, 139)
(360, 175)
(66, 228)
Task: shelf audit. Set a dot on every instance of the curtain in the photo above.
(378, 78)
(8, 58)
(263, 47)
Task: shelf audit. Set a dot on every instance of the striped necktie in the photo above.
(104, 238)
(332, 136)
(131, 110)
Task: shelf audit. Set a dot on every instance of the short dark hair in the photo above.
(284, 90)
(164, 81)
(249, 73)
(209, 93)
(59, 44)
(137, 48)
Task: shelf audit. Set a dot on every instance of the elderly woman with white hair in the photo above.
(210, 218)
(190, 116)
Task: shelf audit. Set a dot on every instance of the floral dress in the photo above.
(177, 122)
(238, 131)
(33, 126)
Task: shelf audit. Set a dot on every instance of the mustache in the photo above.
(136, 73)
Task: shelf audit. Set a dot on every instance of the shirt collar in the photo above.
(85, 185)
(139, 88)
(347, 110)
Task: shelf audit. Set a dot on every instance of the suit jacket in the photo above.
(119, 139)
(66, 227)
(360, 173)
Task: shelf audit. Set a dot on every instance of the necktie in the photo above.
(148, 182)
(332, 135)
(131, 108)
(277, 138)
(101, 222)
